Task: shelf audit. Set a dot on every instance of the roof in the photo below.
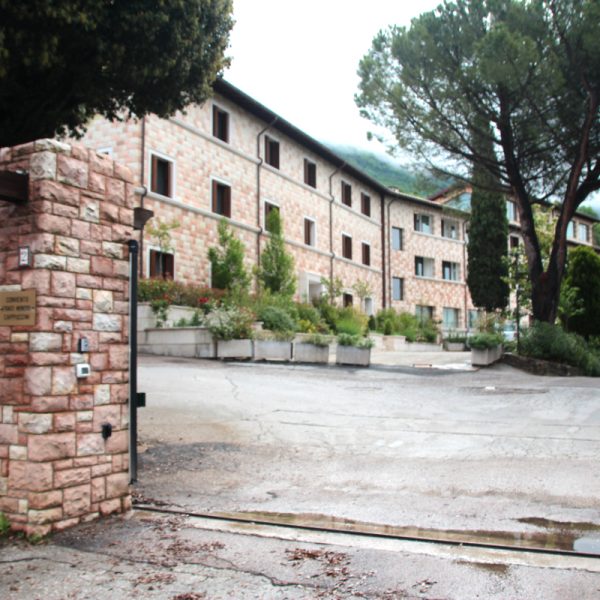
(235, 95)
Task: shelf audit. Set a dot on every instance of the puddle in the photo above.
(559, 536)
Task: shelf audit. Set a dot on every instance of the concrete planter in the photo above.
(454, 346)
(391, 343)
(191, 342)
(482, 357)
(147, 320)
(422, 347)
(351, 355)
(234, 349)
(272, 350)
(310, 353)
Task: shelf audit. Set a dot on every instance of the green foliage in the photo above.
(161, 233)
(276, 319)
(318, 339)
(196, 320)
(391, 174)
(4, 524)
(276, 271)
(488, 236)
(310, 319)
(551, 342)
(333, 289)
(347, 339)
(389, 322)
(351, 321)
(454, 337)
(61, 63)
(160, 308)
(181, 294)
(484, 340)
(230, 323)
(526, 67)
(582, 283)
(227, 262)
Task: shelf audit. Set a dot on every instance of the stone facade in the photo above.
(197, 158)
(56, 469)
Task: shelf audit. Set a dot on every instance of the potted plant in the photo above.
(232, 329)
(486, 348)
(273, 345)
(313, 349)
(353, 350)
(455, 342)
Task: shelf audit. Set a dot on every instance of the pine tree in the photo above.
(276, 272)
(488, 233)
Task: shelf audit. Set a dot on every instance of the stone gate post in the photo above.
(56, 466)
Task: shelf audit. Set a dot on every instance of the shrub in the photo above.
(230, 323)
(318, 340)
(454, 337)
(160, 308)
(351, 321)
(175, 292)
(4, 524)
(482, 341)
(276, 319)
(551, 342)
(227, 261)
(345, 339)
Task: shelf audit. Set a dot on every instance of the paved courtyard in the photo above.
(493, 450)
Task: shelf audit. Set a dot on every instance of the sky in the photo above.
(300, 59)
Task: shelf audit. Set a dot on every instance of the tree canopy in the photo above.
(530, 69)
(63, 62)
(227, 261)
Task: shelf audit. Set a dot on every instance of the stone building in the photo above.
(232, 157)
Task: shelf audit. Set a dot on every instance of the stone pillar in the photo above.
(56, 469)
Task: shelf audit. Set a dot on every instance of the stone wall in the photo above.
(56, 469)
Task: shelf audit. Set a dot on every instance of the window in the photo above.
(366, 254)
(397, 238)
(424, 313)
(365, 204)
(473, 315)
(309, 232)
(369, 306)
(310, 173)
(450, 317)
(450, 229)
(347, 300)
(271, 152)
(514, 241)
(397, 288)
(423, 223)
(220, 124)
(450, 270)
(346, 194)
(346, 246)
(162, 264)
(268, 209)
(221, 199)
(511, 211)
(161, 176)
(424, 266)
(583, 232)
(571, 230)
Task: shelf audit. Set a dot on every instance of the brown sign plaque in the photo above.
(17, 308)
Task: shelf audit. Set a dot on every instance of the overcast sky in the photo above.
(300, 60)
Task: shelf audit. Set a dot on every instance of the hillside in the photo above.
(390, 174)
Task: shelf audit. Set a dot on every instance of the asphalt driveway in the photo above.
(489, 451)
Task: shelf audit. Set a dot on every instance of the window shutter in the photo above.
(154, 174)
(153, 263)
(227, 201)
(168, 266)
